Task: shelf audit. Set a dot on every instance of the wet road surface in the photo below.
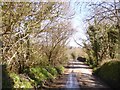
(72, 81)
(78, 76)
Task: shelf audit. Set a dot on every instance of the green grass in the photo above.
(60, 69)
(52, 70)
(39, 75)
(32, 77)
(20, 82)
(110, 72)
(47, 74)
(42, 74)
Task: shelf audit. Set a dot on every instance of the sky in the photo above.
(78, 23)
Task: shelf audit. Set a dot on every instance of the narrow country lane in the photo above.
(72, 81)
(78, 76)
(85, 78)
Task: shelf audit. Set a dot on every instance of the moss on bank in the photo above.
(110, 73)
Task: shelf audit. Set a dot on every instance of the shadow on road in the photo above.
(85, 67)
(78, 76)
(58, 83)
(88, 81)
